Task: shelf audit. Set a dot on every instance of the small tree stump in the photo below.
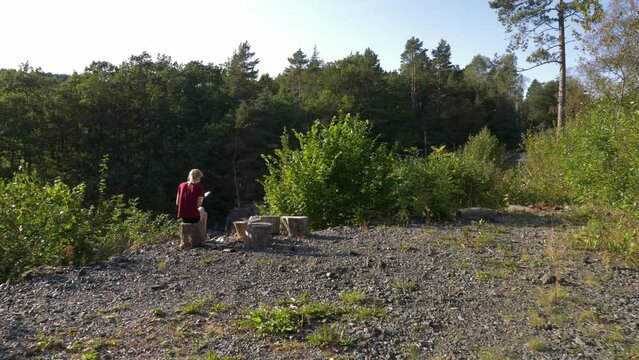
(273, 220)
(258, 235)
(296, 225)
(192, 235)
(240, 228)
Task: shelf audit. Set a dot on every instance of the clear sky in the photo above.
(63, 36)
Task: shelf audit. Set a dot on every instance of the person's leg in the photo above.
(203, 219)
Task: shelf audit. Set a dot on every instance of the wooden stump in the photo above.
(258, 235)
(192, 235)
(296, 225)
(273, 220)
(240, 228)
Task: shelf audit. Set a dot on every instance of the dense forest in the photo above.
(155, 118)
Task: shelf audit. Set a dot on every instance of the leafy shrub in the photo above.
(338, 175)
(592, 162)
(47, 224)
(39, 225)
(329, 335)
(426, 187)
(613, 231)
(481, 170)
(540, 178)
(445, 181)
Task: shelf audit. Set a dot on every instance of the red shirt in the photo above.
(187, 199)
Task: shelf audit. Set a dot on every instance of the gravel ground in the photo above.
(451, 291)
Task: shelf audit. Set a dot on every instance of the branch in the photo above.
(552, 47)
(537, 26)
(538, 65)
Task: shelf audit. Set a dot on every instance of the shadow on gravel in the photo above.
(16, 331)
(327, 237)
(287, 247)
(116, 262)
(520, 220)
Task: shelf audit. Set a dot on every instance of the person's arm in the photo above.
(200, 195)
(177, 200)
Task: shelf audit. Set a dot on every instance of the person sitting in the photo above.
(190, 195)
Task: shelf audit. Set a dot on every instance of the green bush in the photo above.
(426, 187)
(592, 163)
(481, 170)
(47, 224)
(39, 225)
(540, 178)
(436, 186)
(338, 175)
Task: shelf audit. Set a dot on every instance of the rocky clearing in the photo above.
(509, 289)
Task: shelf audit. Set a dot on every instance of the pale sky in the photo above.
(63, 36)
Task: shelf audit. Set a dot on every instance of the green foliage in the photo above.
(40, 225)
(613, 231)
(445, 181)
(328, 335)
(426, 188)
(338, 175)
(213, 356)
(482, 160)
(158, 118)
(277, 321)
(47, 224)
(405, 287)
(536, 345)
(592, 162)
(195, 306)
(353, 297)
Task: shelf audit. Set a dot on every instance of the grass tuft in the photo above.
(329, 335)
(536, 345)
(353, 297)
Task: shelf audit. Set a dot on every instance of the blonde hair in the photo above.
(195, 175)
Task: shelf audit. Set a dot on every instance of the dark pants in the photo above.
(192, 220)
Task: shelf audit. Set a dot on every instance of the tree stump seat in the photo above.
(296, 226)
(192, 235)
(258, 235)
(273, 220)
(240, 228)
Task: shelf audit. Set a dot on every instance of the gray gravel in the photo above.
(453, 291)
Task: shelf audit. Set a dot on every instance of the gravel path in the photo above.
(451, 291)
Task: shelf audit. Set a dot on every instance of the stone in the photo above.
(577, 340)
(477, 213)
(331, 275)
(547, 279)
(520, 209)
(161, 286)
